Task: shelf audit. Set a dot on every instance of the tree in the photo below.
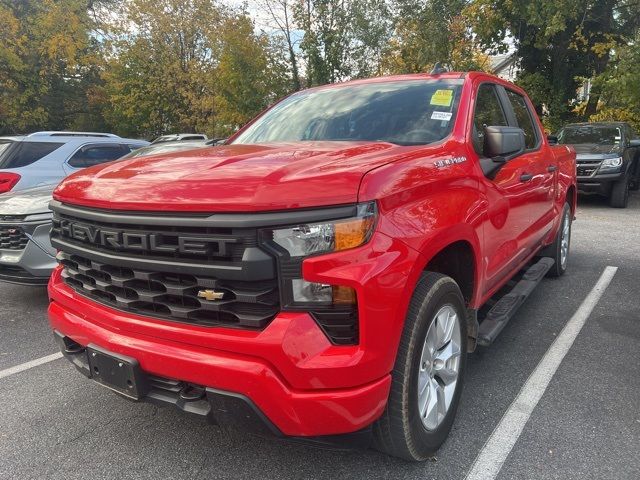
(558, 43)
(250, 75)
(619, 86)
(426, 32)
(326, 40)
(187, 65)
(281, 14)
(47, 65)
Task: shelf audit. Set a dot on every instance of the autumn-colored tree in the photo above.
(558, 43)
(250, 74)
(187, 65)
(158, 76)
(432, 31)
(47, 65)
(619, 86)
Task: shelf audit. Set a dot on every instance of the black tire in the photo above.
(634, 184)
(555, 249)
(619, 197)
(400, 431)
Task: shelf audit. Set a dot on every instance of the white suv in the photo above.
(45, 158)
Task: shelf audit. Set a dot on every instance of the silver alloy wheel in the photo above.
(564, 240)
(439, 367)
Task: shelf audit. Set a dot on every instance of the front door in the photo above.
(509, 195)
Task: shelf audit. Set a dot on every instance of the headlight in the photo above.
(295, 243)
(611, 163)
(333, 236)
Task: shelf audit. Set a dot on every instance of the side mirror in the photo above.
(503, 142)
(552, 139)
(635, 142)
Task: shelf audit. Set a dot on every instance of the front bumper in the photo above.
(599, 183)
(301, 383)
(33, 264)
(217, 407)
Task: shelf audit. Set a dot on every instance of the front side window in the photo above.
(524, 118)
(488, 113)
(405, 113)
(21, 154)
(95, 155)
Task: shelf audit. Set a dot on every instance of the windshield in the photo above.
(406, 113)
(591, 135)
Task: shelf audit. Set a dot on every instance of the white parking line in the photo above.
(489, 461)
(26, 366)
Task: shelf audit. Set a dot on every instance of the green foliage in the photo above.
(430, 32)
(558, 43)
(148, 67)
(46, 65)
(190, 66)
(343, 38)
(620, 86)
(250, 75)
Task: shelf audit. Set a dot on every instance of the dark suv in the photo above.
(608, 158)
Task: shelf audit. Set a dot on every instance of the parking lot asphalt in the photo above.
(54, 423)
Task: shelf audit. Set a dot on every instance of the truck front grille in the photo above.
(587, 168)
(188, 269)
(12, 238)
(174, 296)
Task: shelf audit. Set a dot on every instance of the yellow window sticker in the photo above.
(442, 98)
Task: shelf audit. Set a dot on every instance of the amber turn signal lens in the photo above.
(353, 233)
(343, 295)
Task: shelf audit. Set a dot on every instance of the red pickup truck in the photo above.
(325, 272)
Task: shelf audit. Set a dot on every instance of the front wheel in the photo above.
(559, 249)
(428, 373)
(620, 193)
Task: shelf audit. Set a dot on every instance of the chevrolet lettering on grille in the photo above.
(143, 241)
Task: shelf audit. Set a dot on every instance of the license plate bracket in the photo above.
(119, 373)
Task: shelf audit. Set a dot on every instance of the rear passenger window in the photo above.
(523, 116)
(21, 154)
(488, 113)
(95, 155)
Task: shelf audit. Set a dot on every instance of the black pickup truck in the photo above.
(608, 158)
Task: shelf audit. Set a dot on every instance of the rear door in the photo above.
(508, 225)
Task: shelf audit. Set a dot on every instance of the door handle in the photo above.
(552, 168)
(526, 177)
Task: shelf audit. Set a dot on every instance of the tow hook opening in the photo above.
(71, 347)
(192, 392)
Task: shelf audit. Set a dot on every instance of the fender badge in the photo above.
(210, 295)
(449, 161)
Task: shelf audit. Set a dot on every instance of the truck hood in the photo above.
(232, 178)
(594, 150)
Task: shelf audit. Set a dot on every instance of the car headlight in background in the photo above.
(611, 163)
(302, 241)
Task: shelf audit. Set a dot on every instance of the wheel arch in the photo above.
(572, 198)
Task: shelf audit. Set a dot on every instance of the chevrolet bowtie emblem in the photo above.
(210, 295)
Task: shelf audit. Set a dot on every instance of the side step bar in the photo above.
(506, 307)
